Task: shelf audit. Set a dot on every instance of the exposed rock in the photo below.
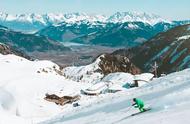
(116, 63)
(4, 49)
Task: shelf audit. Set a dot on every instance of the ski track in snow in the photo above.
(162, 95)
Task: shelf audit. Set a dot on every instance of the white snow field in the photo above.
(24, 83)
(169, 98)
(84, 74)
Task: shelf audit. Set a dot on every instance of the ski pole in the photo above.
(129, 109)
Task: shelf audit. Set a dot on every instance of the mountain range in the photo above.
(126, 34)
(122, 29)
(34, 22)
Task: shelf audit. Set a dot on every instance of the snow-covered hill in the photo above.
(102, 66)
(24, 83)
(85, 74)
(169, 98)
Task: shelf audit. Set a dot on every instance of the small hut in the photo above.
(61, 100)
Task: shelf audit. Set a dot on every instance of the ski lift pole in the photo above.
(155, 69)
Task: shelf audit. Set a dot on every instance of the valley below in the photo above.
(80, 54)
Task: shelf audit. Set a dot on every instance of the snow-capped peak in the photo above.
(121, 17)
(53, 18)
(76, 17)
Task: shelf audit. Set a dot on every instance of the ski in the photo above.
(147, 109)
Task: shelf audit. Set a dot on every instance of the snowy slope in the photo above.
(23, 85)
(87, 74)
(104, 68)
(169, 98)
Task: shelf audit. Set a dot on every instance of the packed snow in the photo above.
(24, 83)
(168, 97)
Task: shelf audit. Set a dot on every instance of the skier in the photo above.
(139, 104)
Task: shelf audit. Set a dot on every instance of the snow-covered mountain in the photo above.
(33, 21)
(24, 83)
(121, 17)
(127, 29)
(126, 34)
(76, 17)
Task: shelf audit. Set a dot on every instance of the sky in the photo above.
(169, 9)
